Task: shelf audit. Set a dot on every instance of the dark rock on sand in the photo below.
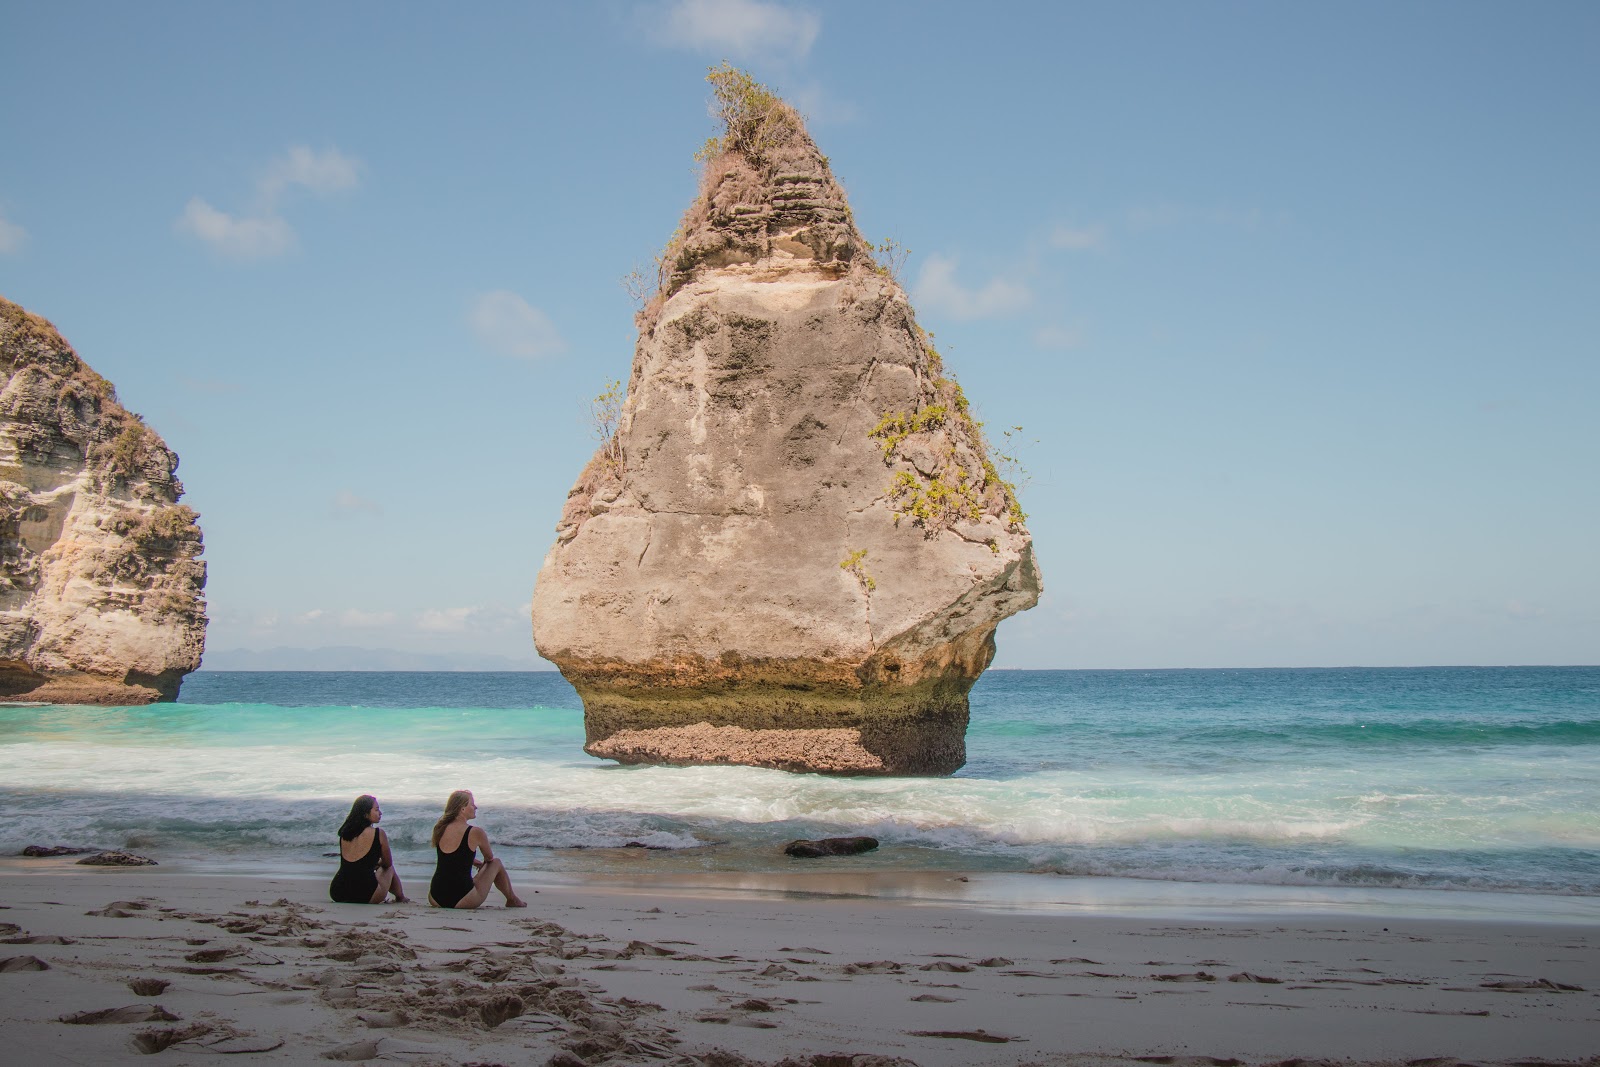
(117, 858)
(830, 846)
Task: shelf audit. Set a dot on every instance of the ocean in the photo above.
(1483, 779)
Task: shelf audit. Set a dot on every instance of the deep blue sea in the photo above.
(1441, 778)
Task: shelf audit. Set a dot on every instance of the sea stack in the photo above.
(794, 549)
(100, 575)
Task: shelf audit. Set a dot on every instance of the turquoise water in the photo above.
(1449, 778)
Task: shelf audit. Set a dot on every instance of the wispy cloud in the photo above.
(1078, 237)
(738, 28)
(329, 171)
(261, 231)
(12, 237)
(505, 323)
(938, 288)
(348, 618)
(477, 618)
(346, 504)
(236, 237)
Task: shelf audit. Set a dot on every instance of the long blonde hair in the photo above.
(452, 808)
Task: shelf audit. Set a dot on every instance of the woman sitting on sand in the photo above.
(366, 869)
(457, 843)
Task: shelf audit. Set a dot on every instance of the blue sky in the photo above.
(1299, 305)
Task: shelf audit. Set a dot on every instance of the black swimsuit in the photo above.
(452, 878)
(356, 882)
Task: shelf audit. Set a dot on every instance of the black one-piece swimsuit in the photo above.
(356, 882)
(452, 877)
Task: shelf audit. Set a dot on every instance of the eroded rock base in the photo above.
(861, 734)
(127, 690)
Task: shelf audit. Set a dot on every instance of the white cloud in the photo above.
(740, 27)
(478, 618)
(937, 288)
(12, 237)
(1078, 237)
(508, 324)
(322, 172)
(241, 238)
(263, 232)
(445, 620)
(353, 617)
(310, 616)
(348, 503)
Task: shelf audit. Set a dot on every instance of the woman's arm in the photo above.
(481, 842)
(387, 859)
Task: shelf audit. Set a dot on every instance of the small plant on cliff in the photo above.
(605, 415)
(895, 426)
(127, 451)
(856, 564)
(893, 256)
(754, 119)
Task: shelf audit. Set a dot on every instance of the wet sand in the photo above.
(118, 965)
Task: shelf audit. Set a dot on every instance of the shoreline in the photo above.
(994, 892)
(659, 971)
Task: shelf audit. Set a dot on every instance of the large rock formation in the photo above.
(100, 576)
(795, 549)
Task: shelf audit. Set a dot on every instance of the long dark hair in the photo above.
(357, 820)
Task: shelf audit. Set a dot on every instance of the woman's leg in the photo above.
(395, 887)
(502, 882)
(491, 875)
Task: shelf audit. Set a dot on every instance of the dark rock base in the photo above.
(916, 731)
(133, 688)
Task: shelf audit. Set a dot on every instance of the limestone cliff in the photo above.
(795, 550)
(100, 576)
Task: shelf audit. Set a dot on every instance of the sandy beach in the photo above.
(110, 966)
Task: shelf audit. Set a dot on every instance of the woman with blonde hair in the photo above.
(457, 843)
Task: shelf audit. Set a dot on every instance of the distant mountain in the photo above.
(352, 658)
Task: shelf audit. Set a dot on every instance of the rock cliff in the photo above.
(795, 549)
(100, 575)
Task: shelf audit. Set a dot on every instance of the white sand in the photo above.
(267, 968)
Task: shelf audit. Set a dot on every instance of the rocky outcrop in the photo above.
(100, 575)
(795, 549)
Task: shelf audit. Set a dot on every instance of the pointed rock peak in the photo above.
(767, 196)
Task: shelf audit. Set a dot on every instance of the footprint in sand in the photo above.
(873, 967)
(967, 1035)
(934, 998)
(120, 909)
(946, 965)
(153, 1041)
(132, 1013)
(22, 963)
(148, 987)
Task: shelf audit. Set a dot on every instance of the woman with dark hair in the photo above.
(457, 843)
(366, 868)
